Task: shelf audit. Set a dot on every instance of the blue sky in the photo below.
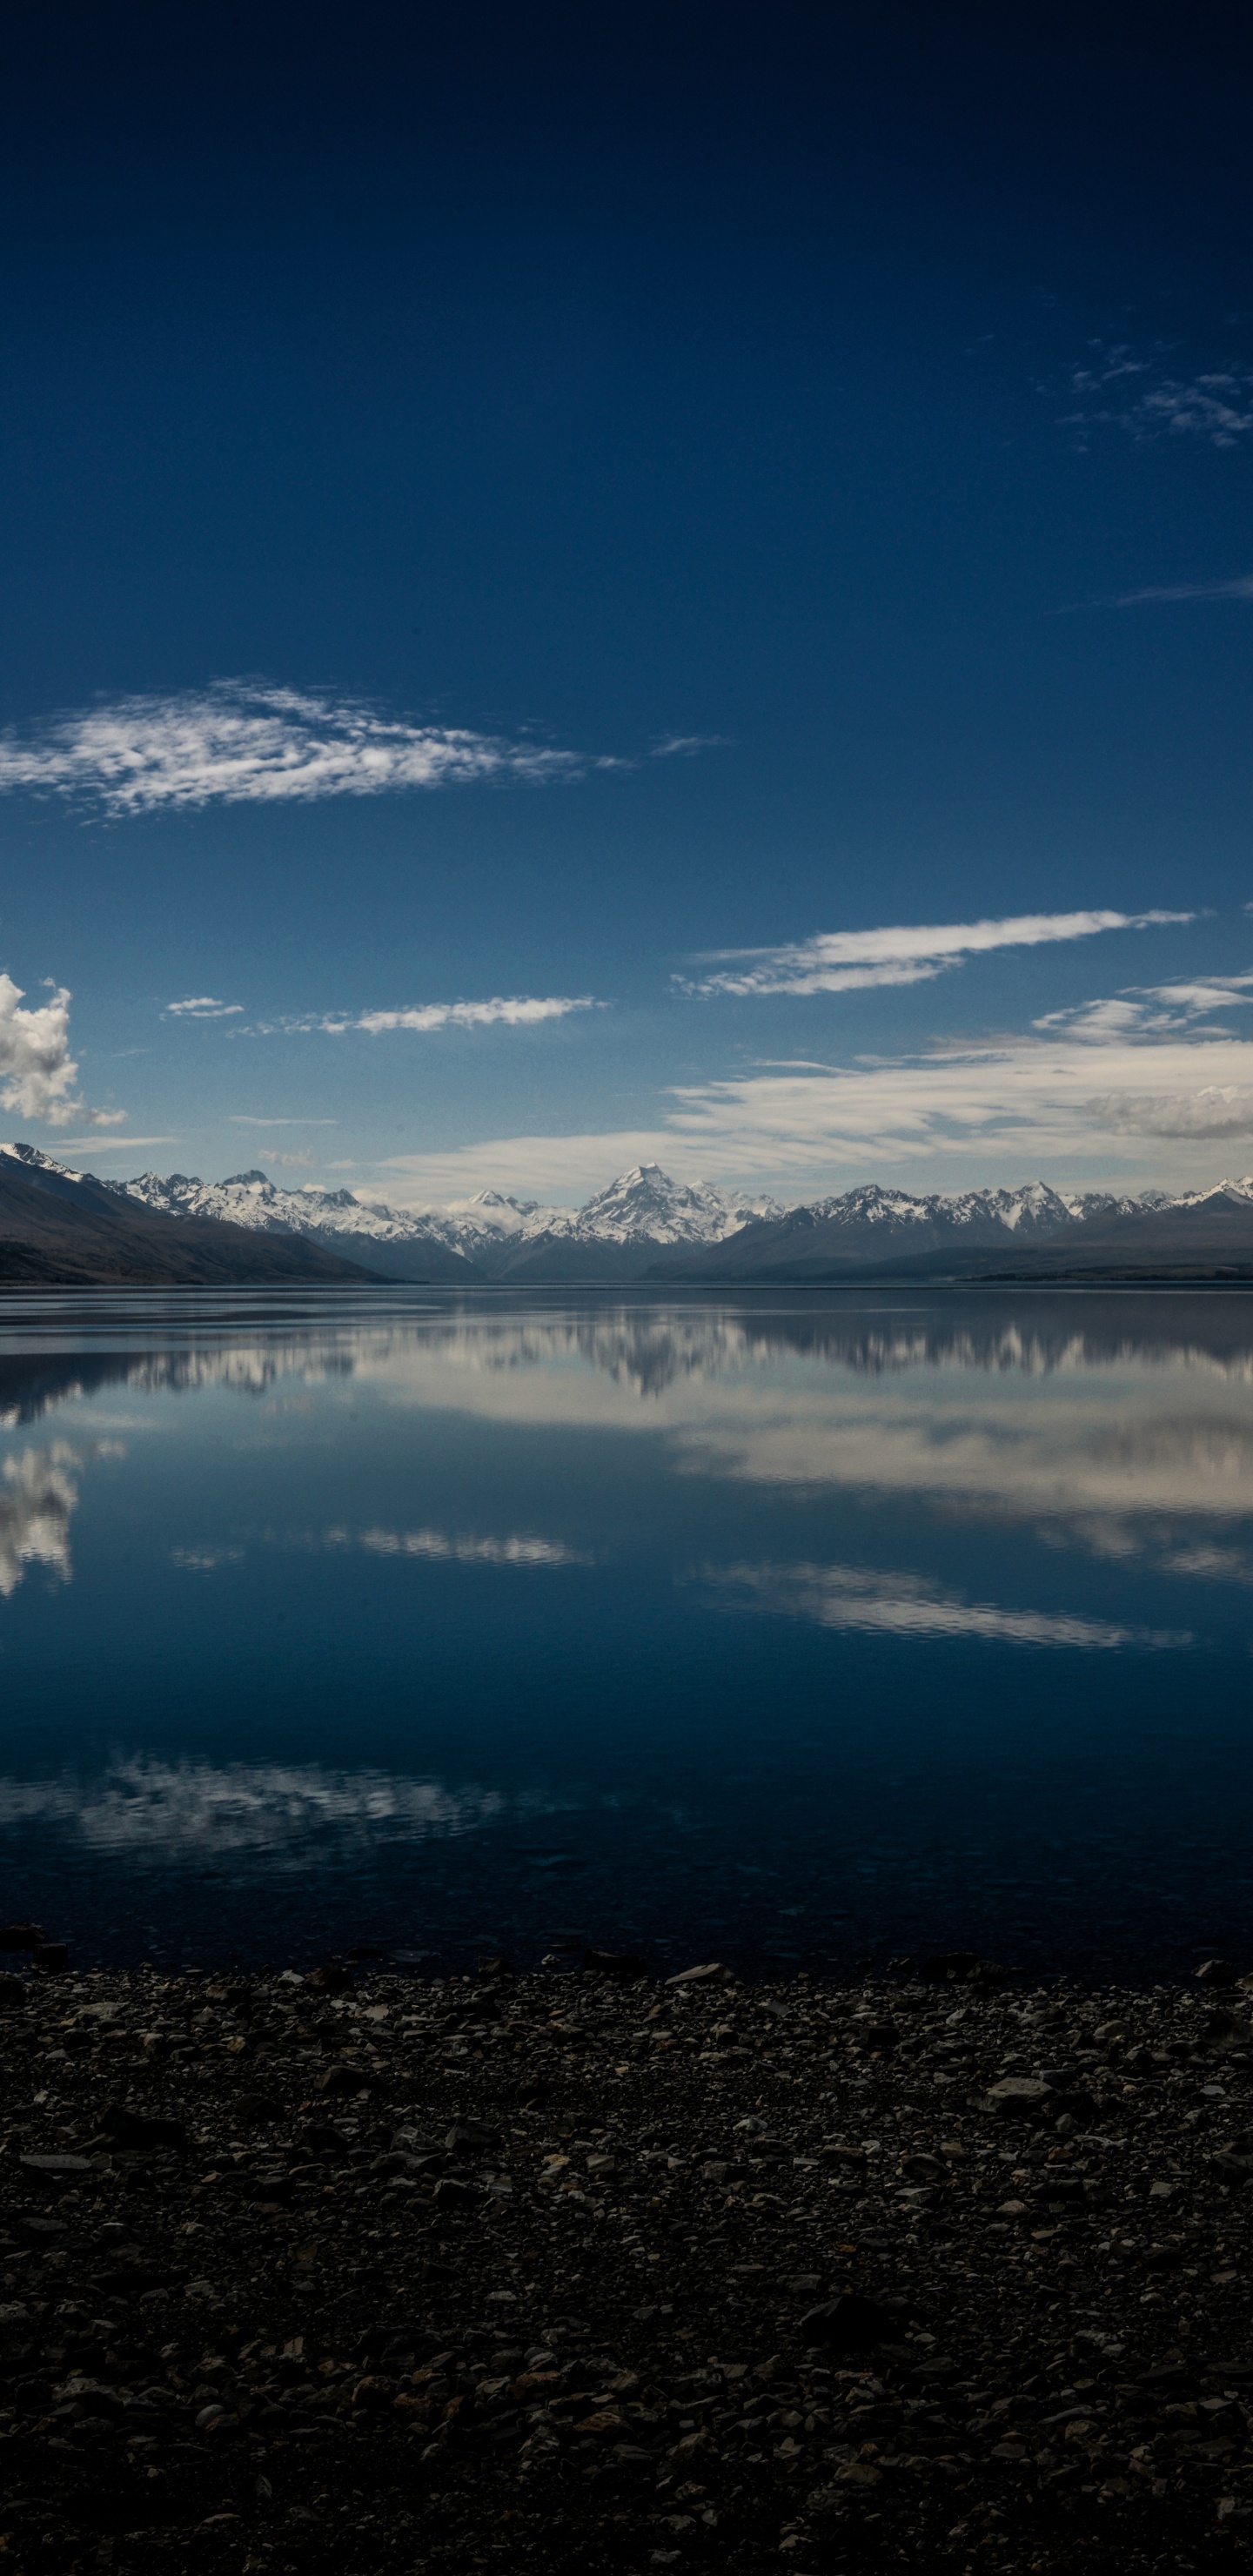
(666, 582)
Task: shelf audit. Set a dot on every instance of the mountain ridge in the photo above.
(67, 1229)
(645, 1225)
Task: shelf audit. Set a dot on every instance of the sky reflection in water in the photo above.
(794, 1629)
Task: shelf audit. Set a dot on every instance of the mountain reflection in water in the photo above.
(826, 1621)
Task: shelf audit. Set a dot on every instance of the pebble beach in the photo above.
(577, 2270)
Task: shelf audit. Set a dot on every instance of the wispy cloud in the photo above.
(112, 1144)
(1152, 1010)
(242, 742)
(37, 1071)
(1161, 594)
(845, 961)
(242, 1118)
(515, 1011)
(1137, 391)
(204, 1007)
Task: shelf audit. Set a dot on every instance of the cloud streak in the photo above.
(37, 1071)
(845, 961)
(1162, 594)
(514, 1011)
(243, 742)
(203, 1007)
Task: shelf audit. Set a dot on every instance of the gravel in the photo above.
(575, 2272)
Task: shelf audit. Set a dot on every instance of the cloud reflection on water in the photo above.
(38, 1499)
(286, 1815)
(907, 1605)
(1118, 1424)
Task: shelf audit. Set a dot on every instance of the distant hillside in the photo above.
(58, 1229)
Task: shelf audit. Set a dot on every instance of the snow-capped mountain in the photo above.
(1023, 1232)
(645, 1223)
(645, 1206)
(643, 1211)
(249, 1198)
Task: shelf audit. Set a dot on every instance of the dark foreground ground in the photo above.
(579, 2274)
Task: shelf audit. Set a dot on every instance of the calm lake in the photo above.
(796, 1629)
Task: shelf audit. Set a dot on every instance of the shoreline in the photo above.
(579, 2271)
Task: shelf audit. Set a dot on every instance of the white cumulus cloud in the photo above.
(514, 1011)
(37, 1071)
(247, 742)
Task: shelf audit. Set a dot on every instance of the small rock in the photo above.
(1017, 2093)
(614, 1963)
(338, 2082)
(471, 2138)
(949, 1967)
(851, 2323)
(135, 2129)
(330, 1979)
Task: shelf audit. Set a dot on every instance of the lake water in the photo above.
(797, 1629)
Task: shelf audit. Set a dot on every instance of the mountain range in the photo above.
(66, 1229)
(643, 1226)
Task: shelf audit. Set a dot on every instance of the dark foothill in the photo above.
(51, 1958)
(21, 1936)
(12, 1994)
(1218, 1972)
